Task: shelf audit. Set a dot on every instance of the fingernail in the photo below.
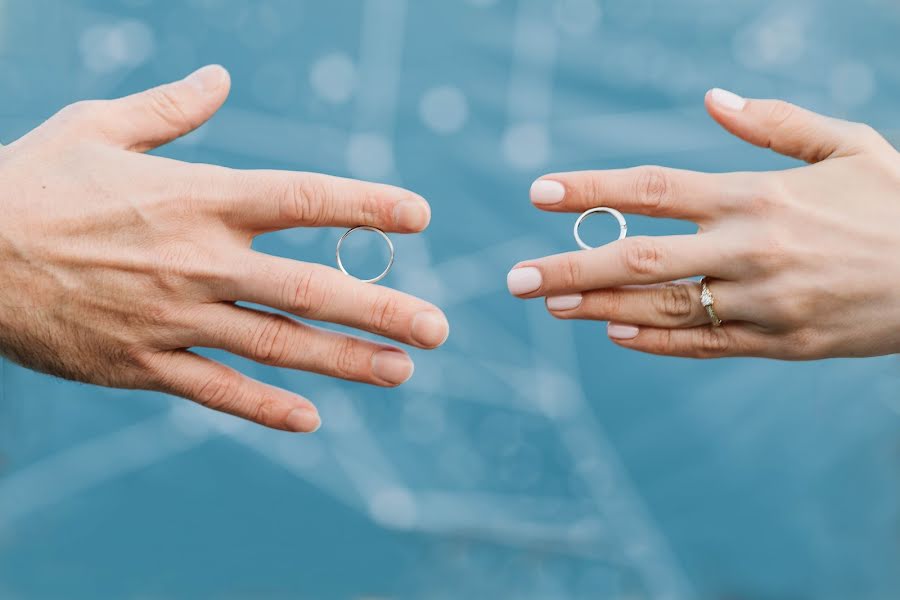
(208, 78)
(622, 332)
(727, 99)
(392, 366)
(523, 280)
(546, 191)
(410, 215)
(430, 329)
(303, 420)
(567, 302)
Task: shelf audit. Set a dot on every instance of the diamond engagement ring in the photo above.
(707, 300)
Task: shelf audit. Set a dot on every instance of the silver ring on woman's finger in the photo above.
(387, 241)
(708, 302)
(623, 226)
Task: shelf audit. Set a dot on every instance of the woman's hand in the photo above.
(803, 263)
(113, 263)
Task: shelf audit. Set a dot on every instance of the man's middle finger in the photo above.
(324, 294)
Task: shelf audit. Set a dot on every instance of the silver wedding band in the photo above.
(708, 301)
(387, 241)
(623, 226)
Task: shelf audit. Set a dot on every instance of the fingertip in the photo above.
(620, 332)
(725, 100)
(547, 192)
(210, 78)
(303, 420)
(392, 366)
(563, 303)
(412, 214)
(523, 280)
(430, 329)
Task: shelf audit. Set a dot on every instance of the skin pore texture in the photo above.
(803, 263)
(114, 263)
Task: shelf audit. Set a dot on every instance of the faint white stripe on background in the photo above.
(90, 463)
(644, 546)
(380, 57)
(530, 91)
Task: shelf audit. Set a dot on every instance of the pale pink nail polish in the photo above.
(622, 332)
(546, 191)
(523, 280)
(567, 302)
(726, 99)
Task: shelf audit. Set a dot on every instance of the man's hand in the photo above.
(803, 263)
(113, 263)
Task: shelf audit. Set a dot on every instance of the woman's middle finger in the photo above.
(631, 261)
(321, 293)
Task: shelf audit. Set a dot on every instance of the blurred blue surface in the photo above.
(529, 458)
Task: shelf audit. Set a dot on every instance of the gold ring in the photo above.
(707, 300)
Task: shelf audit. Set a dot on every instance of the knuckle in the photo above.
(866, 132)
(84, 110)
(767, 253)
(608, 304)
(220, 391)
(642, 257)
(304, 295)
(663, 343)
(384, 313)
(373, 207)
(712, 341)
(868, 136)
(81, 115)
(143, 361)
(592, 189)
(654, 188)
(675, 300)
(308, 201)
(765, 198)
(270, 341)
(806, 343)
(345, 358)
(780, 112)
(788, 310)
(264, 410)
(570, 272)
(168, 107)
(177, 265)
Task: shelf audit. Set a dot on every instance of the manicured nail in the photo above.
(392, 366)
(567, 302)
(547, 191)
(523, 280)
(622, 332)
(411, 215)
(208, 78)
(727, 99)
(303, 420)
(430, 329)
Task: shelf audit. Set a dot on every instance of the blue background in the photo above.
(528, 458)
